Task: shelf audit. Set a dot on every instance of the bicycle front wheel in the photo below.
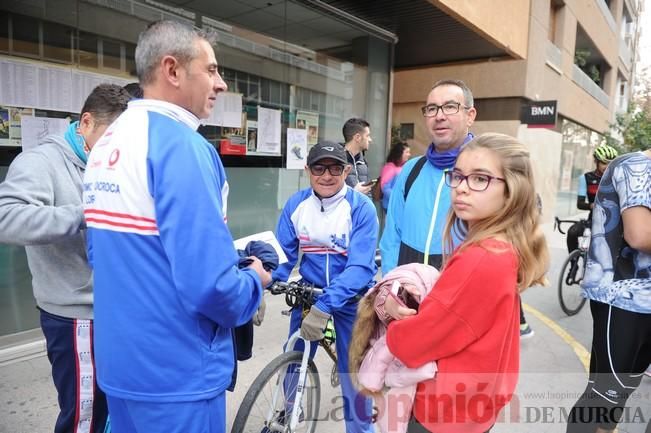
(569, 283)
(267, 405)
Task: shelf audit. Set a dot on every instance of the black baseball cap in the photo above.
(326, 149)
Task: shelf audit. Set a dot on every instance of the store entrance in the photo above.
(17, 305)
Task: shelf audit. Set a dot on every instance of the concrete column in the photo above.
(370, 90)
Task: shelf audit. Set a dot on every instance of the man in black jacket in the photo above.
(357, 136)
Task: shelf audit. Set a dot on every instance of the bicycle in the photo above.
(572, 271)
(289, 383)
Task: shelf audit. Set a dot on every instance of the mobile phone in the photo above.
(370, 182)
(408, 299)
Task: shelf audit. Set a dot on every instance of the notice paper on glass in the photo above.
(35, 129)
(269, 130)
(267, 237)
(227, 111)
(296, 148)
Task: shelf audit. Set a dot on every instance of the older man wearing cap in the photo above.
(336, 229)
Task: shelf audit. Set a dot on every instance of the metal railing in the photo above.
(553, 55)
(583, 80)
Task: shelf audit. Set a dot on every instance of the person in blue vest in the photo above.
(420, 200)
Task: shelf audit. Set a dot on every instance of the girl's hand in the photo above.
(397, 311)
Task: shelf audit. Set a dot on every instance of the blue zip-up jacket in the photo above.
(413, 231)
(167, 287)
(337, 236)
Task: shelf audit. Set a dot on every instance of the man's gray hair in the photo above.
(166, 38)
(467, 93)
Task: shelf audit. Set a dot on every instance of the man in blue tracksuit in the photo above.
(420, 200)
(336, 229)
(167, 287)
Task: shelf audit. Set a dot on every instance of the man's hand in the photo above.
(264, 275)
(313, 326)
(363, 189)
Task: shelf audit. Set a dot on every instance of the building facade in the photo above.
(578, 62)
(312, 64)
(287, 65)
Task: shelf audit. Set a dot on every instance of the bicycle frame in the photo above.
(302, 372)
(302, 299)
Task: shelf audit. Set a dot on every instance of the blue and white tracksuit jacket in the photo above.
(338, 237)
(414, 228)
(167, 287)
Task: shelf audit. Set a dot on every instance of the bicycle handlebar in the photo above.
(296, 292)
(558, 222)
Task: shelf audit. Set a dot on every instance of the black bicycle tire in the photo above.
(268, 373)
(567, 310)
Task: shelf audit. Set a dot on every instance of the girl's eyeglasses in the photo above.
(476, 182)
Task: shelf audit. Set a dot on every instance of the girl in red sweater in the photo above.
(469, 322)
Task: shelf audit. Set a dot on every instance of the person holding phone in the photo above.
(357, 134)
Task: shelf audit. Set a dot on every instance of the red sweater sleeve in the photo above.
(460, 308)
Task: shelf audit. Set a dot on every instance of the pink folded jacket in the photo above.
(380, 371)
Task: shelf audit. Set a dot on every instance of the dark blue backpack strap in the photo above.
(413, 174)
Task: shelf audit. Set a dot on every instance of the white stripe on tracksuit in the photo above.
(85, 376)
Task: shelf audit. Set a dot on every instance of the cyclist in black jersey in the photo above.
(588, 185)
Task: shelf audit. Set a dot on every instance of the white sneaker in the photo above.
(526, 331)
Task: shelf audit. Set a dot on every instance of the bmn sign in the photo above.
(539, 114)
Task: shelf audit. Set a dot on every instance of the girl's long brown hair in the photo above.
(518, 220)
(366, 326)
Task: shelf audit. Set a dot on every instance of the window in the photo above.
(553, 33)
(4, 32)
(26, 35)
(57, 42)
(406, 131)
(88, 50)
(130, 58)
(112, 54)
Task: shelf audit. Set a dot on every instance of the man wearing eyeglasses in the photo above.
(335, 228)
(420, 200)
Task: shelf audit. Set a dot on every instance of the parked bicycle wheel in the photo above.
(259, 412)
(569, 283)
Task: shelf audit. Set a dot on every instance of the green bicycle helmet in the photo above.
(605, 153)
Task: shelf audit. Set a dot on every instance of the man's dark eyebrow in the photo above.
(451, 101)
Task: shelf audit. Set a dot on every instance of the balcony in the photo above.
(586, 83)
(625, 53)
(553, 57)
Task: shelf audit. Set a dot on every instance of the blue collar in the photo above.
(443, 160)
(76, 141)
